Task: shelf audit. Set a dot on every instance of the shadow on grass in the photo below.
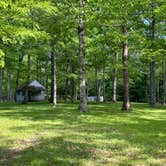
(54, 151)
(79, 135)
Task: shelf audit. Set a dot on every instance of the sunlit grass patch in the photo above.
(37, 134)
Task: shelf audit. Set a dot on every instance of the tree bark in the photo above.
(114, 80)
(8, 86)
(81, 34)
(126, 101)
(158, 90)
(97, 86)
(164, 83)
(41, 78)
(66, 90)
(73, 88)
(46, 78)
(146, 88)
(29, 68)
(103, 83)
(27, 97)
(21, 56)
(37, 69)
(152, 97)
(53, 79)
(1, 85)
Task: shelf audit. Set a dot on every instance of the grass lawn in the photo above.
(38, 135)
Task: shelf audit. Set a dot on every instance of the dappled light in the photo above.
(37, 134)
(82, 83)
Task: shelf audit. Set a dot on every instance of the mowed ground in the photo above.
(38, 135)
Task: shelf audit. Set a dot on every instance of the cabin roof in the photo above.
(33, 85)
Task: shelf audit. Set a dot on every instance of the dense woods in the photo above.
(85, 48)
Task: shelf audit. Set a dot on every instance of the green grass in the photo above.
(38, 135)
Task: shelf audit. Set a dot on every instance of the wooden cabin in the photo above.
(35, 92)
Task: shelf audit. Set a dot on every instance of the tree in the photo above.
(164, 82)
(53, 78)
(81, 34)
(114, 79)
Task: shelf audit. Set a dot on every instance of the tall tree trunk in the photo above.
(114, 80)
(152, 97)
(53, 79)
(158, 90)
(46, 78)
(146, 88)
(81, 34)
(8, 86)
(29, 68)
(97, 86)
(37, 69)
(27, 97)
(103, 83)
(73, 88)
(87, 89)
(40, 73)
(66, 90)
(1, 85)
(21, 56)
(164, 83)
(126, 100)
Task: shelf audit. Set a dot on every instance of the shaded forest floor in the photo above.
(36, 134)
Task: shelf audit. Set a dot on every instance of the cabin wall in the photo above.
(19, 97)
(38, 97)
(93, 98)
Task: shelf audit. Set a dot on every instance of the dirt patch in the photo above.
(97, 153)
(10, 154)
(24, 143)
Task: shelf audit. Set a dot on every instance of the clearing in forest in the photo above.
(37, 134)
